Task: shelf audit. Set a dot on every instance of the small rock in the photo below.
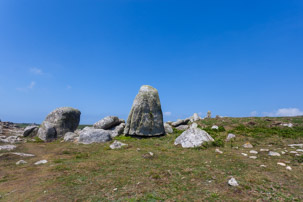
(263, 166)
(281, 164)
(253, 152)
(272, 153)
(244, 154)
(117, 145)
(168, 128)
(41, 162)
(182, 127)
(253, 157)
(288, 168)
(219, 151)
(230, 136)
(248, 145)
(23, 154)
(264, 150)
(290, 125)
(215, 127)
(233, 182)
(293, 152)
(151, 153)
(21, 162)
(282, 152)
(296, 145)
(299, 150)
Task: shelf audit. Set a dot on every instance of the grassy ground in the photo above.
(96, 173)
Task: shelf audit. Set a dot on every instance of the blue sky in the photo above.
(235, 58)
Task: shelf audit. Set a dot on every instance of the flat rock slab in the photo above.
(8, 147)
(23, 154)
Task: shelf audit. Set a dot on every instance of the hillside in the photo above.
(77, 172)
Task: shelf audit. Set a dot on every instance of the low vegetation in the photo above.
(97, 173)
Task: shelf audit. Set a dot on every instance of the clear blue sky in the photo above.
(235, 58)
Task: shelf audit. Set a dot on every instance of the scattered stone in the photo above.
(59, 122)
(296, 145)
(117, 130)
(253, 157)
(21, 162)
(70, 137)
(264, 150)
(230, 136)
(182, 127)
(151, 153)
(282, 152)
(288, 168)
(193, 137)
(293, 152)
(117, 145)
(30, 131)
(299, 150)
(145, 118)
(180, 122)
(290, 125)
(248, 145)
(244, 154)
(168, 128)
(263, 166)
(272, 153)
(41, 162)
(253, 152)
(219, 151)
(10, 139)
(281, 164)
(233, 182)
(107, 123)
(215, 127)
(90, 135)
(23, 154)
(7, 147)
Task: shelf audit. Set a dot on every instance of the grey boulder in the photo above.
(70, 137)
(168, 128)
(193, 137)
(30, 131)
(59, 122)
(117, 130)
(107, 122)
(91, 135)
(180, 122)
(145, 118)
(182, 127)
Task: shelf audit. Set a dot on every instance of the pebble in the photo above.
(233, 182)
(248, 145)
(253, 152)
(282, 152)
(8, 147)
(288, 168)
(23, 154)
(41, 162)
(219, 151)
(281, 164)
(244, 154)
(293, 152)
(263, 166)
(296, 145)
(21, 162)
(271, 153)
(253, 157)
(299, 150)
(264, 150)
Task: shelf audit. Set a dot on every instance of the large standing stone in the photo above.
(145, 118)
(107, 122)
(90, 135)
(59, 122)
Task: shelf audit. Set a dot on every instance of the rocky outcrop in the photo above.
(145, 118)
(70, 137)
(59, 122)
(180, 122)
(30, 131)
(193, 137)
(91, 135)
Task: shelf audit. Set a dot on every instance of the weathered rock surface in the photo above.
(233, 182)
(90, 135)
(107, 122)
(21, 162)
(59, 122)
(215, 127)
(117, 145)
(248, 145)
(41, 162)
(117, 130)
(168, 128)
(272, 153)
(7, 147)
(30, 131)
(145, 118)
(10, 139)
(180, 122)
(70, 137)
(23, 154)
(193, 137)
